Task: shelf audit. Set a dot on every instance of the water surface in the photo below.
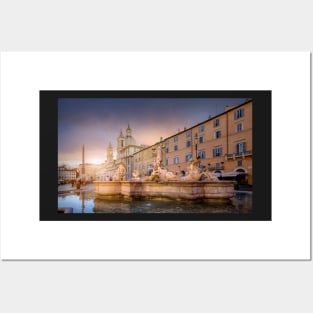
(87, 202)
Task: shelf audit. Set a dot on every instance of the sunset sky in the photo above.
(97, 122)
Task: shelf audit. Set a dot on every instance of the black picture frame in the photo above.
(262, 127)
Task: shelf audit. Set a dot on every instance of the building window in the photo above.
(201, 154)
(239, 163)
(201, 139)
(188, 143)
(216, 122)
(218, 134)
(166, 162)
(239, 113)
(176, 147)
(188, 157)
(218, 166)
(175, 138)
(201, 129)
(217, 151)
(176, 160)
(239, 127)
(240, 147)
(166, 150)
(188, 133)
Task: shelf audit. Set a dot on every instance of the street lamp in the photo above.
(196, 144)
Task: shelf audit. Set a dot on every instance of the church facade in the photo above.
(126, 148)
(108, 168)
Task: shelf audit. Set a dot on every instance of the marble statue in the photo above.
(136, 176)
(121, 173)
(160, 174)
(194, 173)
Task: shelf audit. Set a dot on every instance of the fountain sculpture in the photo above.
(165, 184)
(160, 174)
(121, 173)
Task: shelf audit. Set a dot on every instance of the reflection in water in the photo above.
(81, 202)
(243, 202)
(86, 202)
(160, 206)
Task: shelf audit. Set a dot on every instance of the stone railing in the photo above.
(238, 155)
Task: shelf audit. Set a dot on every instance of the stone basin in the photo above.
(220, 191)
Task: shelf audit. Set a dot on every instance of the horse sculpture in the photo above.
(194, 173)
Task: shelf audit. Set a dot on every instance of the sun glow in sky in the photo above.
(97, 122)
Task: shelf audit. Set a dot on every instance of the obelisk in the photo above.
(83, 165)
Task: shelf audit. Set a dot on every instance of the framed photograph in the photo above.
(155, 155)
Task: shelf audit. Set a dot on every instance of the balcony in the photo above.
(238, 155)
(216, 168)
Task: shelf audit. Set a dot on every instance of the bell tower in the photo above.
(120, 144)
(120, 141)
(110, 153)
(128, 131)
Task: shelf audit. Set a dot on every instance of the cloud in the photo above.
(97, 122)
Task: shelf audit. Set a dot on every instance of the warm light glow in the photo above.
(95, 161)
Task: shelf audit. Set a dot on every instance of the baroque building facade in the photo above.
(126, 148)
(222, 144)
(88, 171)
(66, 175)
(109, 168)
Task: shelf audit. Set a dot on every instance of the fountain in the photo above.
(163, 184)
